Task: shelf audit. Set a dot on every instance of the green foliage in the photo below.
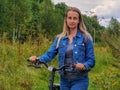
(107, 80)
(15, 75)
(112, 38)
(34, 23)
(15, 15)
(114, 27)
(20, 19)
(2, 16)
(61, 8)
(104, 76)
(93, 27)
(92, 23)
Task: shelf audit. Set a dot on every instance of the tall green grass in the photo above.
(104, 76)
(16, 75)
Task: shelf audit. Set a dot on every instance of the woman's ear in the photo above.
(65, 20)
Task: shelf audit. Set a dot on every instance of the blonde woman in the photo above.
(74, 47)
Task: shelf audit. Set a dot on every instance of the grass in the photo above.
(104, 76)
(15, 75)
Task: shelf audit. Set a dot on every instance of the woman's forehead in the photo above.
(72, 13)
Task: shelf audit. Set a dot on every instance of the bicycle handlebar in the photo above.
(38, 65)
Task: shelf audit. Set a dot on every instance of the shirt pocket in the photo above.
(80, 48)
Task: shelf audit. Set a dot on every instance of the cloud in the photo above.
(101, 8)
(106, 8)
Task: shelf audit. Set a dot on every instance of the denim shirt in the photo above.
(82, 53)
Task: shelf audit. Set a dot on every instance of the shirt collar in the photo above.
(78, 34)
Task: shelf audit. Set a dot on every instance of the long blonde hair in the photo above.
(81, 25)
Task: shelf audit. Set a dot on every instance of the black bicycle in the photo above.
(52, 85)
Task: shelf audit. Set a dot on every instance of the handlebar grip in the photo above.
(38, 63)
(28, 60)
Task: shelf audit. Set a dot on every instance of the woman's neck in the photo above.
(72, 32)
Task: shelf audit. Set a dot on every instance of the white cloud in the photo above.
(106, 8)
(101, 8)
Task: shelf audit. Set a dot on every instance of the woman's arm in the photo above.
(51, 53)
(89, 54)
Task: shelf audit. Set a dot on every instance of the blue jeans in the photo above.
(74, 84)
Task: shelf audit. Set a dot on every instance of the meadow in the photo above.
(16, 75)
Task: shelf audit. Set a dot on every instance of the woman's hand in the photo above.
(80, 66)
(33, 59)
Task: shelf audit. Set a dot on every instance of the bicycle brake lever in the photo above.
(36, 65)
(50, 68)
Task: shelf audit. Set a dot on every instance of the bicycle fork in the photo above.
(52, 80)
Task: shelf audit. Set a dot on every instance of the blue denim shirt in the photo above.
(82, 53)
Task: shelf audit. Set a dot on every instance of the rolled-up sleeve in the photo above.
(89, 54)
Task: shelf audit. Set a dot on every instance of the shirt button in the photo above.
(75, 45)
(76, 52)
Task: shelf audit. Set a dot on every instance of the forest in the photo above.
(28, 27)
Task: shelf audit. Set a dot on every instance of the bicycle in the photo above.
(52, 85)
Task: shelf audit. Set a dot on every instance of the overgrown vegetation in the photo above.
(28, 28)
(15, 75)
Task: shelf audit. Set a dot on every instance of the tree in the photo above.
(114, 27)
(34, 26)
(3, 20)
(51, 18)
(61, 8)
(17, 15)
(93, 27)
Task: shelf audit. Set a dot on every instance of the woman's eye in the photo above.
(75, 18)
(69, 18)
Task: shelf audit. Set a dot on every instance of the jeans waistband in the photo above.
(73, 75)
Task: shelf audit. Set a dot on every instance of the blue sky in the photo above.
(101, 8)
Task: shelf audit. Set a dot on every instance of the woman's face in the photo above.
(72, 19)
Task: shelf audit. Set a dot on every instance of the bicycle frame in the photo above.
(51, 86)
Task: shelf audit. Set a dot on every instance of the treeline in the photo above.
(20, 19)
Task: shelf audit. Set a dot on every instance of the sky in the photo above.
(104, 9)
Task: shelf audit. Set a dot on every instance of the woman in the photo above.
(74, 47)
